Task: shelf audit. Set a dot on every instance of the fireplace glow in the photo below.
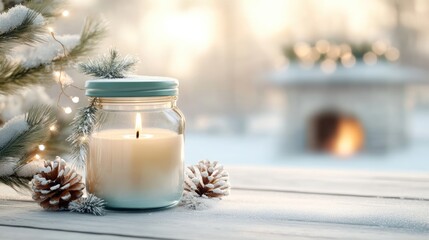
(348, 138)
(336, 133)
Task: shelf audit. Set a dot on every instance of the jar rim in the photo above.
(132, 86)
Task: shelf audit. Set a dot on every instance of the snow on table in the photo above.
(265, 203)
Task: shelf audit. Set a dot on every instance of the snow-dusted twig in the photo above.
(108, 66)
(91, 204)
(82, 127)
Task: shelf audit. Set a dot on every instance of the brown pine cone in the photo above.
(56, 185)
(208, 179)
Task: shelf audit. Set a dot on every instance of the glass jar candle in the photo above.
(135, 157)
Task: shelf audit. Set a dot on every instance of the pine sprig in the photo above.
(93, 31)
(15, 182)
(39, 120)
(83, 125)
(108, 66)
(91, 204)
(48, 8)
(29, 31)
(14, 76)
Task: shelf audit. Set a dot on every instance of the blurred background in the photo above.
(309, 83)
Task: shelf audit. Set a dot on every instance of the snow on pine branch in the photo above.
(15, 76)
(46, 52)
(21, 138)
(111, 65)
(20, 25)
(7, 166)
(18, 16)
(12, 128)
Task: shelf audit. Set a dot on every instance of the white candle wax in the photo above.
(131, 172)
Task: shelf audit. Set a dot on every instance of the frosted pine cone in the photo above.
(206, 178)
(56, 185)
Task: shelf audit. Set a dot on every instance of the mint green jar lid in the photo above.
(132, 86)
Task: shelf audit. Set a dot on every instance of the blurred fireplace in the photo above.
(350, 111)
(335, 133)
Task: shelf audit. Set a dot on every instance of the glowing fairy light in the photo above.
(53, 128)
(322, 46)
(75, 99)
(392, 54)
(301, 49)
(50, 29)
(379, 47)
(348, 60)
(37, 156)
(42, 147)
(66, 13)
(370, 58)
(334, 52)
(328, 66)
(67, 110)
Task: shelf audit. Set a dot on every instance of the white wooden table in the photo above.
(264, 204)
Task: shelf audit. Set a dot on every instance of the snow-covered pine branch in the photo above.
(20, 25)
(19, 137)
(14, 75)
(11, 129)
(46, 52)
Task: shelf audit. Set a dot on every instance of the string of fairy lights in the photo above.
(64, 83)
(328, 55)
(63, 80)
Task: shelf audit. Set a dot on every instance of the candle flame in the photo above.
(138, 124)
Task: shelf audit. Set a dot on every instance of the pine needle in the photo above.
(15, 182)
(83, 125)
(13, 76)
(108, 66)
(91, 204)
(26, 33)
(39, 119)
(93, 31)
(48, 8)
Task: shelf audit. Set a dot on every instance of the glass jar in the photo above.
(135, 158)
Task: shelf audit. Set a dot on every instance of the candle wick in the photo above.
(137, 134)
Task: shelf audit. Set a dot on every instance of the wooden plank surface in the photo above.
(266, 204)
